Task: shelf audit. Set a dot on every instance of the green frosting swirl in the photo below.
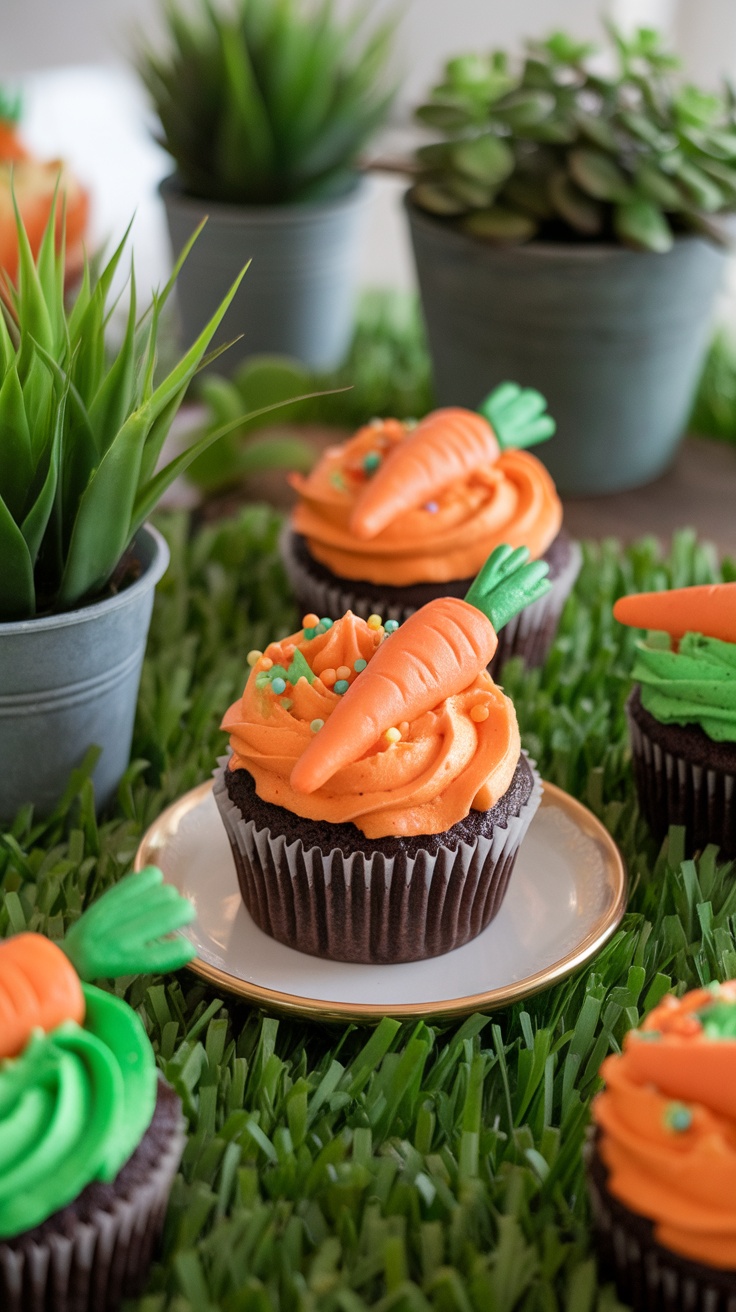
(73, 1108)
(695, 685)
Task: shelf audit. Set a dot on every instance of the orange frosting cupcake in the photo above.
(667, 1124)
(404, 503)
(34, 184)
(419, 776)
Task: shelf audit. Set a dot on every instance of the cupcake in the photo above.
(662, 1160)
(377, 795)
(682, 711)
(407, 512)
(90, 1135)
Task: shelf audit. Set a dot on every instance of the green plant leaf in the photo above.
(656, 186)
(642, 225)
(17, 591)
(36, 521)
(705, 193)
(598, 175)
(501, 225)
(485, 159)
(525, 108)
(437, 200)
(17, 464)
(581, 212)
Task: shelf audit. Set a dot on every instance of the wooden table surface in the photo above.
(699, 491)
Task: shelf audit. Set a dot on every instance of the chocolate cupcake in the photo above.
(90, 1135)
(377, 795)
(404, 513)
(661, 1161)
(682, 711)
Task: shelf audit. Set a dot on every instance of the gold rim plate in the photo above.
(566, 898)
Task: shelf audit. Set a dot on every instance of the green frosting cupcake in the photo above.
(694, 685)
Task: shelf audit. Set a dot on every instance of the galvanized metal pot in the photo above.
(71, 680)
(298, 296)
(614, 338)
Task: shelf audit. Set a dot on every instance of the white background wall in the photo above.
(72, 59)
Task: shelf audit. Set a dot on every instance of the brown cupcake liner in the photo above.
(367, 906)
(648, 1277)
(92, 1264)
(675, 791)
(529, 634)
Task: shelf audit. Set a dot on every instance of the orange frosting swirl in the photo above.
(667, 1121)
(510, 500)
(421, 778)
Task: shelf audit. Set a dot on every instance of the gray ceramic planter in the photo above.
(298, 296)
(69, 681)
(615, 339)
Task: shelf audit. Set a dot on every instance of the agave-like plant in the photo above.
(549, 146)
(80, 432)
(267, 101)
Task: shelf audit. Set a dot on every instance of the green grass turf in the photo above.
(408, 1167)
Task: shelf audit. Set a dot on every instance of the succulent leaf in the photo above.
(608, 152)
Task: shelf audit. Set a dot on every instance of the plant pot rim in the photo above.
(574, 250)
(87, 614)
(170, 188)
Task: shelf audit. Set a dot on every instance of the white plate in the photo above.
(566, 897)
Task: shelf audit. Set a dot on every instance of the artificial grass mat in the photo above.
(412, 1166)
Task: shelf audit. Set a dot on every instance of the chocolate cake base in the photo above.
(648, 1277)
(684, 778)
(529, 635)
(329, 891)
(96, 1251)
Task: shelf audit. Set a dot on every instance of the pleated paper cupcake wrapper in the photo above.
(103, 1259)
(369, 907)
(675, 791)
(648, 1277)
(529, 634)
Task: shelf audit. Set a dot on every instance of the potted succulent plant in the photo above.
(264, 108)
(568, 227)
(81, 439)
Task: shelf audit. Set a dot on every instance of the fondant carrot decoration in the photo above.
(708, 608)
(434, 654)
(445, 448)
(123, 933)
(39, 988)
(11, 147)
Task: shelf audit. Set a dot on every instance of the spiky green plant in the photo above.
(80, 435)
(551, 147)
(267, 101)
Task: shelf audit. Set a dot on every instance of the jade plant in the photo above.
(554, 146)
(81, 433)
(267, 101)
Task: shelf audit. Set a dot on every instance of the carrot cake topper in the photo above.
(708, 609)
(446, 448)
(433, 655)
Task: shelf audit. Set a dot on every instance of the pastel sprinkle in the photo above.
(343, 672)
(328, 677)
(432, 507)
(371, 461)
(342, 686)
(253, 657)
(266, 663)
(678, 1117)
(310, 621)
(287, 703)
(391, 626)
(392, 735)
(326, 623)
(310, 633)
(374, 622)
(479, 713)
(316, 725)
(279, 686)
(359, 665)
(409, 424)
(375, 423)
(404, 727)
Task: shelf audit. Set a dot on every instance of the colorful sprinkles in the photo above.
(479, 713)
(341, 686)
(392, 736)
(372, 461)
(678, 1117)
(316, 725)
